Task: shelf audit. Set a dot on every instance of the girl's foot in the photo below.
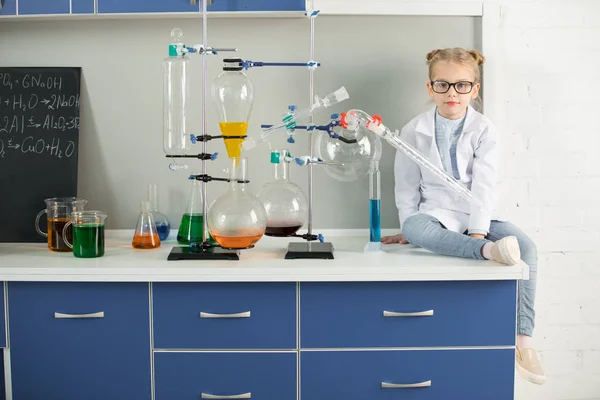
(529, 366)
(505, 251)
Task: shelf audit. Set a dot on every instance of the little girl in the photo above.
(464, 143)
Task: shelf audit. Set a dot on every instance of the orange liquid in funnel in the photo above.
(233, 146)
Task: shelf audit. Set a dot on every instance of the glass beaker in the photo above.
(58, 211)
(88, 233)
(237, 219)
(284, 201)
(145, 236)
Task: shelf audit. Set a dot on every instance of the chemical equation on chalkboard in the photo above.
(20, 123)
(29, 145)
(31, 81)
(55, 102)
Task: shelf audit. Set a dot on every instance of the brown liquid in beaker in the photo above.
(282, 231)
(237, 242)
(55, 230)
(146, 241)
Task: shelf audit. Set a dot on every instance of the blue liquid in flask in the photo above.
(375, 221)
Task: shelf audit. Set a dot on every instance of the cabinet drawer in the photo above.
(384, 375)
(80, 340)
(224, 315)
(194, 376)
(9, 7)
(398, 314)
(147, 6)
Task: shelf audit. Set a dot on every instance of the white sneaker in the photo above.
(507, 251)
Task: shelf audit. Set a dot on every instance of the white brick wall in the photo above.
(550, 59)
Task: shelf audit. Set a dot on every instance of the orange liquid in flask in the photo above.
(238, 242)
(146, 241)
(233, 146)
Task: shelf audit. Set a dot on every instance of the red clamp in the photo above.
(375, 119)
(343, 120)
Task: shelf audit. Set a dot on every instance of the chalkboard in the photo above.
(39, 131)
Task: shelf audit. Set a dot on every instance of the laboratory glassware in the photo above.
(284, 202)
(192, 221)
(163, 226)
(58, 212)
(175, 98)
(233, 96)
(88, 233)
(237, 219)
(145, 235)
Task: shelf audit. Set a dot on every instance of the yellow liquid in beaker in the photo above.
(233, 146)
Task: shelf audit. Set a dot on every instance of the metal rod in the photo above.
(310, 120)
(204, 67)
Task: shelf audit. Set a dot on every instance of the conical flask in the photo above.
(233, 96)
(284, 201)
(237, 219)
(192, 221)
(163, 226)
(145, 235)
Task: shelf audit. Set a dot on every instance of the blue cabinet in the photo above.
(414, 375)
(2, 317)
(257, 5)
(147, 6)
(44, 7)
(407, 314)
(194, 376)
(224, 315)
(74, 341)
(9, 7)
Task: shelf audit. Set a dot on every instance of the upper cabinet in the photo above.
(8, 7)
(147, 6)
(44, 7)
(257, 5)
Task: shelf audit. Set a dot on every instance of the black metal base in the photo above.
(309, 250)
(197, 253)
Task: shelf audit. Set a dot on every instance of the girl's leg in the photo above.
(427, 232)
(527, 360)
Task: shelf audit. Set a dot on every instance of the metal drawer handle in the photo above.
(385, 385)
(427, 313)
(194, 2)
(237, 315)
(93, 315)
(235, 396)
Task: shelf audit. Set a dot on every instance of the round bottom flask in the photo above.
(284, 201)
(237, 219)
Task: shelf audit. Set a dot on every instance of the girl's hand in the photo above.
(394, 239)
(477, 236)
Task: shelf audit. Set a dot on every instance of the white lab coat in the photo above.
(418, 191)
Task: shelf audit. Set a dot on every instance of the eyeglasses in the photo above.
(462, 87)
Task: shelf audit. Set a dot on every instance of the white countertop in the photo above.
(264, 263)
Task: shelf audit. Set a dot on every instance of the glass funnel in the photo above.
(233, 96)
(349, 158)
(284, 201)
(192, 221)
(237, 219)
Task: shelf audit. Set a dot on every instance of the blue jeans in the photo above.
(427, 232)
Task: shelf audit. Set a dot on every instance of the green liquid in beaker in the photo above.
(190, 229)
(88, 240)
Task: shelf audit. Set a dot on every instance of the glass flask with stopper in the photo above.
(163, 226)
(284, 201)
(192, 221)
(145, 236)
(237, 219)
(233, 96)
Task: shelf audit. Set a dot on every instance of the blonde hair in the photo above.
(470, 58)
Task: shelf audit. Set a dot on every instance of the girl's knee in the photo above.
(414, 226)
(528, 248)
